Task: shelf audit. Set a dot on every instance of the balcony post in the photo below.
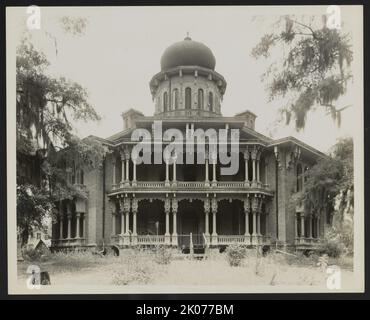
(78, 216)
(174, 171)
(134, 208)
(214, 161)
(207, 208)
(254, 221)
(246, 163)
(134, 172)
(122, 168)
(69, 217)
(214, 206)
(167, 208)
(247, 209)
(167, 181)
(174, 227)
(302, 226)
(318, 227)
(127, 176)
(61, 219)
(114, 171)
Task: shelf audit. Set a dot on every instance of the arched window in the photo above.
(210, 101)
(175, 99)
(187, 98)
(200, 99)
(165, 101)
(299, 177)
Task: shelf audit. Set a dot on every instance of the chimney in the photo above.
(248, 117)
(129, 117)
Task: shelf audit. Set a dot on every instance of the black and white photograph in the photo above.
(185, 149)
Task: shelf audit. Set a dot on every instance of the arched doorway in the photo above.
(191, 221)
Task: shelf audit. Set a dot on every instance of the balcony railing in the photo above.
(194, 185)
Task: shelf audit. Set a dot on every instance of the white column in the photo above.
(259, 223)
(122, 170)
(127, 224)
(318, 226)
(207, 174)
(167, 212)
(214, 181)
(174, 222)
(310, 226)
(167, 181)
(214, 222)
(247, 209)
(78, 216)
(254, 224)
(246, 161)
(302, 226)
(114, 171)
(122, 223)
(127, 171)
(83, 235)
(296, 225)
(113, 223)
(69, 217)
(61, 227)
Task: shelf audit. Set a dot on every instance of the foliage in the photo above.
(163, 255)
(314, 69)
(45, 109)
(235, 254)
(332, 248)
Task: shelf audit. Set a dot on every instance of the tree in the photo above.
(314, 70)
(329, 188)
(45, 140)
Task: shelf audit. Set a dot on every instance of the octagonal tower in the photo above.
(188, 85)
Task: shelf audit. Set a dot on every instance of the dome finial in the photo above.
(187, 36)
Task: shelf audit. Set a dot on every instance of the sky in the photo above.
(121, 49)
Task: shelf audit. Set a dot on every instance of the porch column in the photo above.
(259, 223)
(246, 162)
(214, 212)
(127, 224)
(318, 226)
(122, 168)
(127, 157)
(113, 223)
(167, 208)
(207, 209)
(302, 226)
(114, 171)
(134, 208)
(247, 209)
(78, 216)
(296, 225)
(174, 221)
(254, 221)
(207, 173)
(134, 172)
(167, 181)
(61, 220)
(214, 161)
(125, 218)
(69, 217)
(122, 222)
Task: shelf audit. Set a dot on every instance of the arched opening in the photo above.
(200, 99)
(210, 101)
(165, 101)
(175, 99)
(188, 98)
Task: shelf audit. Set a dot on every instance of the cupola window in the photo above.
(165, 102)
(200, 99)
(188, 98)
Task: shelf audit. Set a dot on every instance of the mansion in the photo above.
(190, 205)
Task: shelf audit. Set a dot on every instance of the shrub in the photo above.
(235, 254)
(31, 254)
(333, 249)
(163, 255)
